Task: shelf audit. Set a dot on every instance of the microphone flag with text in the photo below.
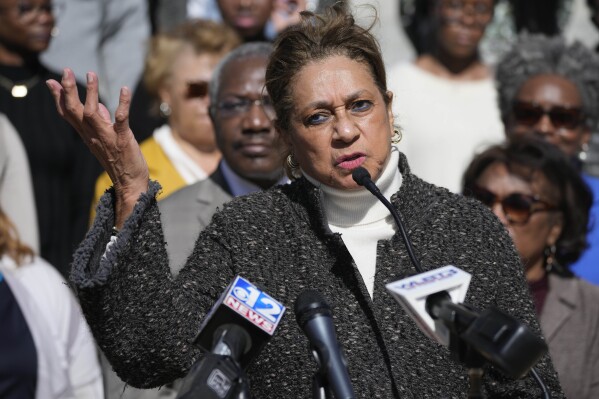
(232, 334)
(313, 314)
(434, 300)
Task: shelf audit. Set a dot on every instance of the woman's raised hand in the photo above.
(113, 144)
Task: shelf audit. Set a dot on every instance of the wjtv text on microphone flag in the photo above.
(412, 293)
(434, 300)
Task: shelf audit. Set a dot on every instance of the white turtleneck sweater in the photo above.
(361, 218)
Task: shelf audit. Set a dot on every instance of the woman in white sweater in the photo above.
(16, 189)
(445, 101)
(47, 349)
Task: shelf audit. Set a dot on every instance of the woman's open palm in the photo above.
(112, 143)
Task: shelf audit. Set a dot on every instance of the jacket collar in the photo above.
(561, 303)
(210, 198)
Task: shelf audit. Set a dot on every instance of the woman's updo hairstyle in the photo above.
(314, 38)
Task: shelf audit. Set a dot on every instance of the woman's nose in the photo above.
(345, 129)
(497, 209)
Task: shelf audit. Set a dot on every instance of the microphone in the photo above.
(362, 177)
(433, 299)
(232, 334)
(313, 315)
(244, 305)
(218, 375)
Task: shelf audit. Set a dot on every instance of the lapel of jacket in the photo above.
(560, 304)
(214, 193)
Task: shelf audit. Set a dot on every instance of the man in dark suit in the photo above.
(252, 155)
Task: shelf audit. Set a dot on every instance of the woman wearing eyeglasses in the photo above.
(178, 68)
(544, 204)
(550, 90)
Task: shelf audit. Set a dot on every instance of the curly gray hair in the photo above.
(538, 54)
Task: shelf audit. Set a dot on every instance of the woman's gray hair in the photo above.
(247, 50)
(538, 54)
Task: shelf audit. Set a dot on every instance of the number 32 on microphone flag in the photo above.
(243, 304)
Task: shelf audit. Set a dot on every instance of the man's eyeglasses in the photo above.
(517, 207)
(242, 105)
(528, 114)
(197, 89)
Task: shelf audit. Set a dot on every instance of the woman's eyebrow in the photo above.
(326, 104)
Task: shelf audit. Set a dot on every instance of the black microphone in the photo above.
(434, 300)
(501, 339)
(313, 315)
(362, 177)
(232, 334)
(218, 375)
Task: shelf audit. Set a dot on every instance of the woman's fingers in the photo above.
(90, 107)
(58, 95)
(73, 109)
(113, 144)
(104, 113)
(122, 111)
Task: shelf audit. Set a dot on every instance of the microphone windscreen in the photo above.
(308, 304)
(360, 175)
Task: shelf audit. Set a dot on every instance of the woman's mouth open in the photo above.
(350, 161)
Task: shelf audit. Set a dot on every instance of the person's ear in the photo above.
(586, 136)
(164, 95)
(555, 231)
(390, 110)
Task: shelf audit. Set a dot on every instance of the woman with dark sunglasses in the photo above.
(544, 204)
(551, 90)
(179, 65)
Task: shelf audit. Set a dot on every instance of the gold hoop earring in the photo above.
(291, 162)
(397, 136)
(292, 168)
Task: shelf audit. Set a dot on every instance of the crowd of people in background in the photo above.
(517, 131)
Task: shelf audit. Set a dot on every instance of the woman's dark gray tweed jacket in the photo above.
(144, 320)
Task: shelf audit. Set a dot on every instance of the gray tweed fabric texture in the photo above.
(145, 320)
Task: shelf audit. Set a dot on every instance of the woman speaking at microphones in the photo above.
(327, 82)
